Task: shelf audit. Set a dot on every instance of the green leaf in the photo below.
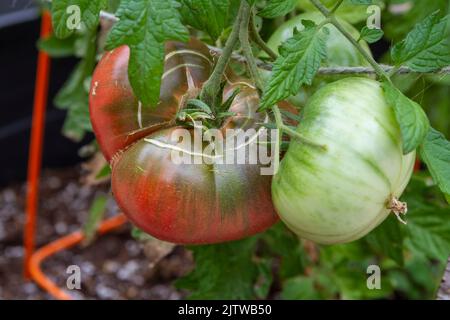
(104, 172)
(74, 95)
(371, 35)
(96, 213)
(144, 26)
(397, 26)
(387, 239)
(429, 229)
(57, 48)
(74, 89)
(436, 102)
(276, 8)
(265, 278)
(414, 124)
(300, 288)
(211, 16)
(77, 121)
(223, 271)
(71, 15)
(300, 59)
(427, 47)
(199, 104)
(346, 266)
(435, 152)
(140, 235)
(227, 104)
(283, 243)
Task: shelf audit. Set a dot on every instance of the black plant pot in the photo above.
(18, 56)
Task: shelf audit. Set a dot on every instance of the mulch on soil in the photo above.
(114, 266)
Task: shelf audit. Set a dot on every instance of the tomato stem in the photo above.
(336, 6)
(211, 87)
(286, 129)
(393, 71)
(246, 47)
(318, 4)
(301, 138)
(332, 19)
(258, 40)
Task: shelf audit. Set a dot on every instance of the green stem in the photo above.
(393, 71)
(284, 128)
(336, 6)
(323, 23)
(258, 40)
(279, 123)
(246, 47)
(321, 7)
(363, 52)
(211, 87)
(329, 14)
(301, 138)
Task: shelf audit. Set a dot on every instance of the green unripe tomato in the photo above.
(340, 193)
(340, 52)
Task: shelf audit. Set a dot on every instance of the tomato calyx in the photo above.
(194, 110)
(398, 207)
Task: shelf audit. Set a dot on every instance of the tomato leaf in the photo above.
(283, 243)
(265, 278)
(140, 235)
(210, 280)
(299, 60)
(71, 15)
(74, 95)
(371, 35)
(56, 47)
(276, 8)
(96, 213)
(211, 16)
(429, 229)
(345, 266)
(388, 239)
(397, 26)
(104, 172)
(435, 152)
(144, 26)
(426, 48)
(300, 288)
(412, 119)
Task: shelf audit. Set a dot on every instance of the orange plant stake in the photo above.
(36, 143)
(33, 260)
(60, 244)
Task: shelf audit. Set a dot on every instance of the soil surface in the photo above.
(113, 266)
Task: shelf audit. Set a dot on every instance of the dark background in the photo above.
(19, 30)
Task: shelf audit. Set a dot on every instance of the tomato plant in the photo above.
(346, 160)
(363, 145)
